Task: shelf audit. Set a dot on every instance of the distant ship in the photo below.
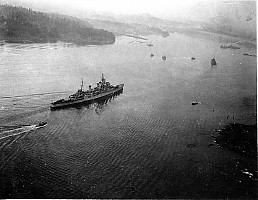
(247, 54)
(102, 90)
(229, 47)
(164, 57)
(248, 18)
(213, 62)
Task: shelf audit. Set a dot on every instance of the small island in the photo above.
(22, 25)
(229, 47)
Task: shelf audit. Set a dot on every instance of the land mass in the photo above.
(120, 27)
(22, 25)
(237, 19)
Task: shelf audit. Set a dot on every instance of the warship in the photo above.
(102, 90)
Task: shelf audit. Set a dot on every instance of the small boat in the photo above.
(152, 55)
(193, 58)
(213, 62)
(247, 54)
(41, 124)
(194, 103)
(150, 45)
(164, 57)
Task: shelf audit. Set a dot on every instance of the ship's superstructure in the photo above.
(102, 89)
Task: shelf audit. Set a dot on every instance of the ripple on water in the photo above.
(122, 151)
(144, 144)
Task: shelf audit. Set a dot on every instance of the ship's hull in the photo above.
(89, 99)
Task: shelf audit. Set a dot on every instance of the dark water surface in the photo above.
(148, 142)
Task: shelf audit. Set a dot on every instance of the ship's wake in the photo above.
(5, 131)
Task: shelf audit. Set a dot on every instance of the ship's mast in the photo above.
(82, 84)
(103, 79)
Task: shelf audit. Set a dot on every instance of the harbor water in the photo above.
(147, 142)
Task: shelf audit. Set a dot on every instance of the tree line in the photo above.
(18, 24)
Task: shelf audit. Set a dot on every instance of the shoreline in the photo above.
(223, 37)
(54, 40)
(228, 39)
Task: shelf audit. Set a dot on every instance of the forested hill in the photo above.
(22, 25)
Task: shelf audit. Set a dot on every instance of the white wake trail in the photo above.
(18, 131)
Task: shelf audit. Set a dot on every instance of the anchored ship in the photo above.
(229, 47)
(102, 90)
(213, 62)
